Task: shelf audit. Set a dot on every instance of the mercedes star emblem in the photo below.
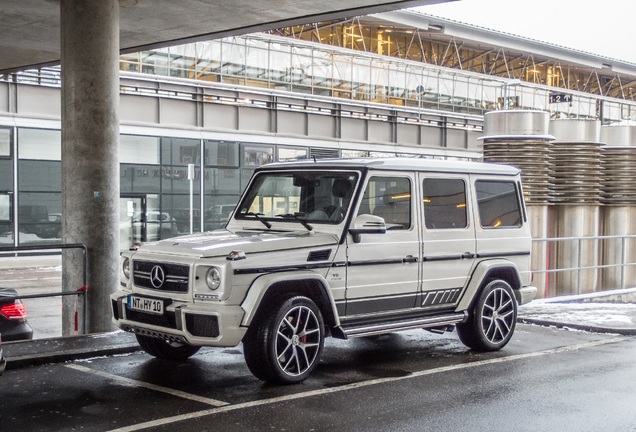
(157, 276)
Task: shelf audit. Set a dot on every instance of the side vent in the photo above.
(321, 255)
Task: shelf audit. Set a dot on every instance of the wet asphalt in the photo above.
(546, 379)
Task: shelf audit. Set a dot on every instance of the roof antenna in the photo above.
(314, 159)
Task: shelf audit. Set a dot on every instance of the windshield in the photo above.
(313, 196)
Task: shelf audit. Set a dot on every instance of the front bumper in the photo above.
(525, 294)
(199, 324)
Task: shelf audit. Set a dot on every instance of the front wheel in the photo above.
(285, 346)
(166, 350)
(492, 319)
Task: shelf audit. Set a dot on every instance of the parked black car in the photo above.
(3, 362)
(13, 317)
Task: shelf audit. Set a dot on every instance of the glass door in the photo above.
(6, 218)
(132, 220)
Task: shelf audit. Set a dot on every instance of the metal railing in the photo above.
(81, 292)
(591, 259)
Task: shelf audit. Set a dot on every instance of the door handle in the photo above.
(409, 259)
(467, 255)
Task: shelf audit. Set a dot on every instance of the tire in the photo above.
(284, 346)
(492, 318)
(166, 350)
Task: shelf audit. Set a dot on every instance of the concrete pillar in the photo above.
(90, 155)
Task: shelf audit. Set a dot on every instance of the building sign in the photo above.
(558, 97)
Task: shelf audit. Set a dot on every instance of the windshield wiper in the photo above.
(260, 219)
(299, 220)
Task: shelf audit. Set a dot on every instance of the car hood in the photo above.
(222, 242)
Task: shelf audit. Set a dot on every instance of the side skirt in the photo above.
(358, 329)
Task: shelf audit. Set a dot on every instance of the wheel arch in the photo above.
(267, 288)
(485, 272)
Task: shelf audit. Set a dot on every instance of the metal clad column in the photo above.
(90, 160)
(619, 199)
(520, 138)
(577, 193)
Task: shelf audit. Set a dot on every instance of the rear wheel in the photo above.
(491, 321)
(167, 350)
(285, 346)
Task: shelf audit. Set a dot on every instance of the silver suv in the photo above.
(340, 248)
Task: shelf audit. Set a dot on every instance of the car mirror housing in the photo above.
(366, 224)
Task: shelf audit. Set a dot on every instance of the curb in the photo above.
(583, 327)
(18, 362)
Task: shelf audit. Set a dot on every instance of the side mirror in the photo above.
(366, 224)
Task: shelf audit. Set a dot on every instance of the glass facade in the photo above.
(155, 188)
(39, 198)
(269, 61)
(6, 187)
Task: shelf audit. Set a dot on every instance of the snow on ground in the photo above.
(608, 309)
(596, 314)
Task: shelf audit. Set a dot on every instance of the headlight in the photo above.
(125, 267)
(213, 278)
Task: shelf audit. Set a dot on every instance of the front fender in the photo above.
(261, 285)
(499, 268)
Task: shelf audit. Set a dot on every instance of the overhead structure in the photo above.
(30, 29)
(87, 36)
(451, 44)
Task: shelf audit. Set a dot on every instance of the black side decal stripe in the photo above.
(376, 262)
(442, 258)
(281, 268)
(482, 255)
(317, 266)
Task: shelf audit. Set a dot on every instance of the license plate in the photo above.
(144, 304)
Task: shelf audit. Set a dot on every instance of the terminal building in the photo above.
(390, 84)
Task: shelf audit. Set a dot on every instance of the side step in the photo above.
(413, 323)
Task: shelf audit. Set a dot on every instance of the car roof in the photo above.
(400, 164)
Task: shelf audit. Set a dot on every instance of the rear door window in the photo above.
(445, 203)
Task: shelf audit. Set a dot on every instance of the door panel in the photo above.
(383, 269)
(448, 244)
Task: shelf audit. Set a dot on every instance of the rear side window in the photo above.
(445, 203)
(498, 203)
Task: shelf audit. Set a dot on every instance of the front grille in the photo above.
(202, 325)
(166, 320)
(176, 276)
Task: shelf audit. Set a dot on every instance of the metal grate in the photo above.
(166, 320)
(202, 325)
